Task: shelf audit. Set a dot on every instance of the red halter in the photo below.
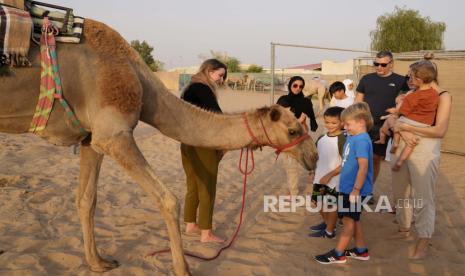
(278, 149)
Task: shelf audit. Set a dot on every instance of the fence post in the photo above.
(272, 73)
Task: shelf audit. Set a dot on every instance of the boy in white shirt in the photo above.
(337, 90)
(328, 166)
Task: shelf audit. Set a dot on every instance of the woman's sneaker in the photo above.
(323, 234)
(318, 227)
(331, 258)
(354, 254)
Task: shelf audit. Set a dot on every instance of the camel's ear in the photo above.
(275, 114)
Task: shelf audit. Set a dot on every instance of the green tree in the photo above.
(253, 68)
(406, 30)
(233, 64)
(145, 51)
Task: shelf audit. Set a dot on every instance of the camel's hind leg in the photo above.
(123, 149)
(86, 199)
(321, 99)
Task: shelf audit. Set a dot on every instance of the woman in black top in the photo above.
(302, 108)
(201, 164)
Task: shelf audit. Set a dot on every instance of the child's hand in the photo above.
(354, 195)
(391, 110)
(325, 180)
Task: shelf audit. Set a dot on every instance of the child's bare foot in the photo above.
(421, 249)
(380, 141)
(192, 229)
(208, 236)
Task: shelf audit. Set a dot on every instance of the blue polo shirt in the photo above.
(358, 146)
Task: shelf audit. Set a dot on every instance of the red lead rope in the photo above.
(245, 172)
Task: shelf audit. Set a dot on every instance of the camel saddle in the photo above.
(21, 20)
(69, 26)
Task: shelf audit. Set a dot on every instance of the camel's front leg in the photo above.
(123, 149)
(86, 199)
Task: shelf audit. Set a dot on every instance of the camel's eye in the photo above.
(292, 132)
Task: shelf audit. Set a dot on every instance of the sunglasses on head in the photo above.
(376, 64)
(295, 85)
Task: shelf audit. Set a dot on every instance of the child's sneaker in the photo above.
(318, 227)
(323, 234)
(331, 258)
(354, 254)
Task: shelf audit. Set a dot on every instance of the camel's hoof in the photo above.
(104, 265)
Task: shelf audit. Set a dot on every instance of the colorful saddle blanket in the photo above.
(15, 35)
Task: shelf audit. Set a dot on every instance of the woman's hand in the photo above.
(399, 126)
(409, 138)
(302, 118)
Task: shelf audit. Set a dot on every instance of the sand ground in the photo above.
(40, 232)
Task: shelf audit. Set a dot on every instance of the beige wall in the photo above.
(450, 78)
(337, 68)
(169, 79)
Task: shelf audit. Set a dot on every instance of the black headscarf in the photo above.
(299, 103)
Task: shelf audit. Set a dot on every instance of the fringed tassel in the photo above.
(19, 60)
(4, 65)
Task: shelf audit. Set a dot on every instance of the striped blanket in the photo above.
(15, 35)
(69, 26)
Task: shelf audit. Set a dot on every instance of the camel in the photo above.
(316, 86)
(234, 82)
(110, 90)
(249, 82)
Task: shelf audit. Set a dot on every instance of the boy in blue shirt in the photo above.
(356, 183)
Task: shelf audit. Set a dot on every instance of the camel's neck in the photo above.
(188, 124)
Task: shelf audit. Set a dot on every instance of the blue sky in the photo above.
(181, 30)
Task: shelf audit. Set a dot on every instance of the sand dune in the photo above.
(40, 231)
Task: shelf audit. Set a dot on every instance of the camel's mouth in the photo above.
(309, 157)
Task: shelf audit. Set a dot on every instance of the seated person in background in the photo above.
(349, 87)
(337, 90)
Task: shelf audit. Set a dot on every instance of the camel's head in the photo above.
(283, 128)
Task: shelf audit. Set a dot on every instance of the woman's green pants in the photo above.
(201, 167)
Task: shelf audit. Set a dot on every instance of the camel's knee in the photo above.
(120, 146)
(170, 203)
(109, 143)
